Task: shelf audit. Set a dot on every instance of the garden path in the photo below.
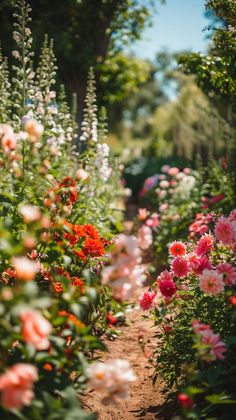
(145, 400)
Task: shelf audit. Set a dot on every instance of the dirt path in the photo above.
(145, 401)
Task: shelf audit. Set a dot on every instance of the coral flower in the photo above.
(146, 300)
(16, 386)
(8, 142)
(35, 329)
(229, 273)
(225, 231)
(198, 264)
(211, 282)
(177, 249)
(204, 245)
(179, 267)
(93, 247)
(25, 269)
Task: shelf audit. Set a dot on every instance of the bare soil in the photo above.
(146, 400)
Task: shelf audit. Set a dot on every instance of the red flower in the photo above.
(166, 284)
(80, 254)
(232, 300)
(93, 247)
(179, 267)
(185, 401)
(177, 248)
(111, 319)
(77, 282)
(90, 231)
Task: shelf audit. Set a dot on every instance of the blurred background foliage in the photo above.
(180, 107)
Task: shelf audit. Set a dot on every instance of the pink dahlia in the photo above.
(166, 284)
(229, 273)
(211, 282)
(225, 231)
(199, 327)
(179, 267)
(216, 346)
(204, 245)
(198, 264)
(232, 216)
(177, 248)
(146, 300)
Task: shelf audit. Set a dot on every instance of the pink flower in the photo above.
(35, 329)
(232, 216)
(30, 213)
(198, 264)
(16, 386)
(229, 273)
(166, 284)
(211, 282)
(163, 207)
(153, 221)
(204, 245)
(25, 268)
(177, 249)
(165, 168)
(225, 231)
(217, 346)
(179, 267)
(173, 171)
(199, 327)
(146, 300)
(33, 128)
(144, 237)
(143, 214)
(164, 184)
(8, 142)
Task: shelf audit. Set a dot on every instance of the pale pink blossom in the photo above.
(163, 207)
(82, 175)
(143, 214)
(112, 377)
(164, 184)
(153, 221)
(35, 329)
(30, 213)
(145, 237)
(215, 346)
(173, 171)
(33, 128)
(165, 168)
(211, 282)
(25, 269)
(16, 386)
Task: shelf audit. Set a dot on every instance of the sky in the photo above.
(178, 26)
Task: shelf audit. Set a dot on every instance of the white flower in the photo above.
(113, 377)
(145, 237)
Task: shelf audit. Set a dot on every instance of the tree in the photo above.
(84, 31)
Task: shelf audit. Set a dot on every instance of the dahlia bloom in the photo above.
(180, 267)
(35, 329)
(204, 245)
(164, 184)
(25, 269)
(215, 346)
(211, 282)
(198, 264)
(166, 284)
(16, 386)
(177, 248)
(229, 273)
(146, 300)
(232, 216)
(113, 377)
(8, 142)
(144, 237)
(225, 231)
